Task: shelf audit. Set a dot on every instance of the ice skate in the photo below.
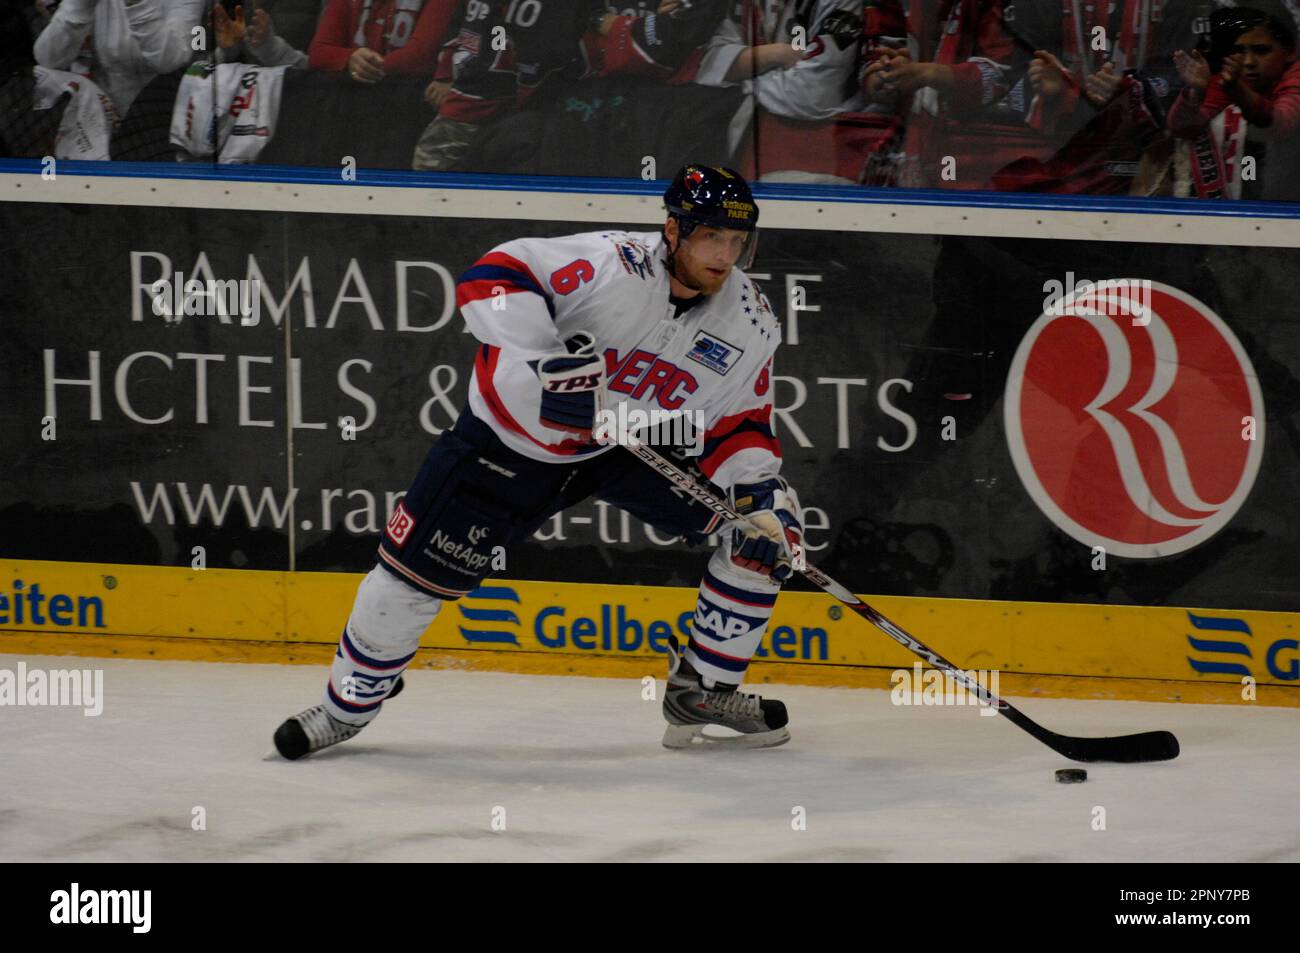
(689, 707)
(314, 729)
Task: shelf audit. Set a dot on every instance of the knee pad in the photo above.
(389, 616)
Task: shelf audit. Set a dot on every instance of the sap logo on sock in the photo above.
(722, 625)
(103, 906)
(359, 687)
(713, 352)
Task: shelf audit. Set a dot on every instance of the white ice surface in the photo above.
(577, 765)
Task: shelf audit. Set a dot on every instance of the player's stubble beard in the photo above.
(693, 274)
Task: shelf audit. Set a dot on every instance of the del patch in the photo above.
(713, 352)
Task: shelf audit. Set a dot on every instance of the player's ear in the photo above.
(670, 230)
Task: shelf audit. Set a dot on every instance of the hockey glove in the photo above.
(772, 542)
(573, 386)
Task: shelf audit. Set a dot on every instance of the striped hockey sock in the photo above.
(377, 645)
(731, 615)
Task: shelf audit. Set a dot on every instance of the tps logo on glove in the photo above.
(573, 383)
(573, 386)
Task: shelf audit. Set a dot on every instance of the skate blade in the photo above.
(680, 737)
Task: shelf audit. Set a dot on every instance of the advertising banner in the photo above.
(986, 418)
(1131, 652)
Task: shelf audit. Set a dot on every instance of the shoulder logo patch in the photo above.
(400, 524)
(635, 258)
(713, 352)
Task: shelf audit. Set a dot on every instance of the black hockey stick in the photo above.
(1146, 746)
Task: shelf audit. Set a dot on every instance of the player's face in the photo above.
(705, 259)
(1263, 59)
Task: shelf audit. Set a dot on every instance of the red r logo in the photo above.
(1127, 429)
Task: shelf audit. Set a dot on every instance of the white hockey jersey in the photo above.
(821, 85)
(132, 43)
(240, 108)
(526, 297)
(88, 120)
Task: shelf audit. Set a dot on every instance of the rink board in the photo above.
(1070, 650)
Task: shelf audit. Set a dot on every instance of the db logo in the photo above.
(1143, 439)
(400, 525)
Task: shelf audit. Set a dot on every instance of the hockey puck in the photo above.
(1071, 775)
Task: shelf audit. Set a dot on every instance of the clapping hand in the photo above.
(230, 31)
(1193, 69)
(261, 29)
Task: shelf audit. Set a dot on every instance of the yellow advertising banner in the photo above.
(1067, 649)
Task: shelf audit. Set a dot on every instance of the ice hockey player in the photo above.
(569, 326)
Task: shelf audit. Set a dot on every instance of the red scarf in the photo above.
(1215, 158)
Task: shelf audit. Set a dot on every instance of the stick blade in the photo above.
(1124, 749)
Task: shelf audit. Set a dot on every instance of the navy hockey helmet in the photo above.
(713, 196)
